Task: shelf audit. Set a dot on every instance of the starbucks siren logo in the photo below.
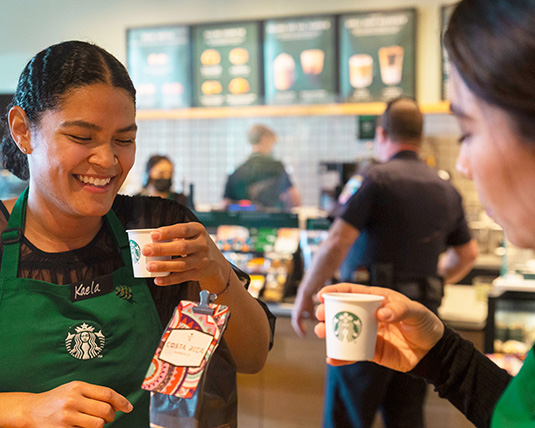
(135, 250)
(85, 341)
(346, 326)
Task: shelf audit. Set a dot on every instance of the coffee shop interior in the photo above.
(323, 136)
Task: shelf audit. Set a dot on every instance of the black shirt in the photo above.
(101, 256)
(464, 376)
(408, 215)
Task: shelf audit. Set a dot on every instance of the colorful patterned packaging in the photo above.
(190, 339)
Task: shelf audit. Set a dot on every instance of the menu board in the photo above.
(159, 64)
(377, 55)
(226, 64)
(445, 14)
(299, 60)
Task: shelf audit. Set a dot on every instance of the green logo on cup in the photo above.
(346, 326)
(135, 250)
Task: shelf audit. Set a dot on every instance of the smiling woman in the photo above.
(83, 150)
(71, 131)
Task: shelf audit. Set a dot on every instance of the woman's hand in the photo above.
(75, 404)
(407, 330)
(200, 259)
(248, 332)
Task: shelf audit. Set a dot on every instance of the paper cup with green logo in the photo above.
(351, 325)
(137, 239)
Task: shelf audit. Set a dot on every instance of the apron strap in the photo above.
(11, 237)
(121, 237)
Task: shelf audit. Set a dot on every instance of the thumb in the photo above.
(385, 315)
(397, 310)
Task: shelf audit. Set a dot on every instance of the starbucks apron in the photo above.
(103, 331)
(516, 407)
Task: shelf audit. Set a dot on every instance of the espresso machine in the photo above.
(333, 176)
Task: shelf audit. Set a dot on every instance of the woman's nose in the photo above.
(463, 165)
(105, 155)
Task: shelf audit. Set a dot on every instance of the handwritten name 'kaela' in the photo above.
(86, 290)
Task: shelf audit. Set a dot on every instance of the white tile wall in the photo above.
(205, 151)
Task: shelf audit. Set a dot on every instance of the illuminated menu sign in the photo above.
(226, 64)
(299, 61)
(377, 55)
(159, 65)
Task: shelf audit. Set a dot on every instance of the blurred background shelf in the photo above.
(343, 109)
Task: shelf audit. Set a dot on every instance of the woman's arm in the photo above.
(248, 333)
(464, 376)
(411, 338)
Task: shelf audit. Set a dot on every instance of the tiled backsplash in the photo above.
(206, 151)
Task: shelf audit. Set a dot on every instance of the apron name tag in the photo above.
(91, 288)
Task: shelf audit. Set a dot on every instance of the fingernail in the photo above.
(129, 407)
(155, 236)
(151, 267)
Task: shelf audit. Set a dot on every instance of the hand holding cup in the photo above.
(406, 330)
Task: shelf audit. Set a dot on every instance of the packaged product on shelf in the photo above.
(257, 284)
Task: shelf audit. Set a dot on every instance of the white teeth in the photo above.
(97, 182)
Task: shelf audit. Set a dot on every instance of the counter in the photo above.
(462, 307)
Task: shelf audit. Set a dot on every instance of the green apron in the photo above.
(52, 334)
(516, 407)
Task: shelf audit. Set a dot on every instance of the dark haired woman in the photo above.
(492, 48)
(158, 180)
(71, 132)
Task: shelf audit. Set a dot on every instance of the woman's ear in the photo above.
(19, 126)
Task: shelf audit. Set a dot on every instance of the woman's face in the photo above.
(162, 170)
(82, 151)
(500, 163)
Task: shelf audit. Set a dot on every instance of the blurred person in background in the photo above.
(408, 216)
(158, 180)
(261, 179)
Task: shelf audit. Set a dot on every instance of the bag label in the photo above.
(185, 348)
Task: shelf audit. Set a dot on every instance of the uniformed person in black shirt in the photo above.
(261, 180)
(409, 216)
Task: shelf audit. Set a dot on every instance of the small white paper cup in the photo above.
(137, 239)
(351, 325)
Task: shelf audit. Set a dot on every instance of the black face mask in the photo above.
(162, 184)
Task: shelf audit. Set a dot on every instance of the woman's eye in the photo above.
(80, 138)
(463, 138)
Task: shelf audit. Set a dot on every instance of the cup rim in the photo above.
(140, 230)
(353, 297)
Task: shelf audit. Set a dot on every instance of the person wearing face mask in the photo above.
(159, 180)
(491, 46)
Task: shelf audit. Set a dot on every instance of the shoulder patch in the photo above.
(351, 187)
